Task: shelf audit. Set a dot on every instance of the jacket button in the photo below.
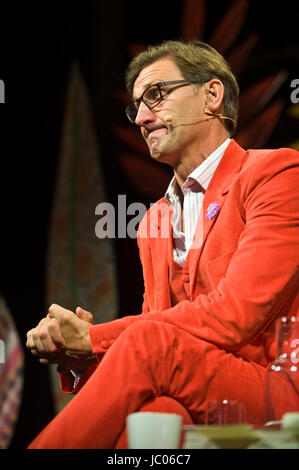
(105, 344)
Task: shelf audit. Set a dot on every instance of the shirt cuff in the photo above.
(76, 376)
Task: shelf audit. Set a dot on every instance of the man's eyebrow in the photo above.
(147, 85)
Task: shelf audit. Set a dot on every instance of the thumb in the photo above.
(84, 315)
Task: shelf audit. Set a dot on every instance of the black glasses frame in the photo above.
(132, 108)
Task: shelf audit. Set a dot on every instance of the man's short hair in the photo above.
(198, 63)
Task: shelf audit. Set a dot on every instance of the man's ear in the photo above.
(214, 95)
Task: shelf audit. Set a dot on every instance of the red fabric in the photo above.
(151, 359)
(176, 280)
(240, 274)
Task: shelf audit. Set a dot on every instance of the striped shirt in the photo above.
(193, 190)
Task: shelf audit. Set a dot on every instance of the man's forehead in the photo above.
(161, 70)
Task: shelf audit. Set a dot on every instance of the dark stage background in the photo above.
(39, 42)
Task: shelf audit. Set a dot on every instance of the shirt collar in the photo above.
(202, 174)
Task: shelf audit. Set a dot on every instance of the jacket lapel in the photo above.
(161, 245)
(214, 199)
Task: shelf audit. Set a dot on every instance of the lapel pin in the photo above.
(212, 210)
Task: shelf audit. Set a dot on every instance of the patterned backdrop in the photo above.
(80, 266)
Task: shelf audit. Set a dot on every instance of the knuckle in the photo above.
(53, 324)
(34, 335)
(43, 333)
(68, 315)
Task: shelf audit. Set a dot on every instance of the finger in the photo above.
(84, 315)
(34, 352)
(60, 313)
(48, 360)
(56, 334)
(40, 338)
(30, 342)
(44, 333)
(32, 337)
(44, 361)
(38, 345)
(46, 340)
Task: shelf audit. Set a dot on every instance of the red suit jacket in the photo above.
(245, 273)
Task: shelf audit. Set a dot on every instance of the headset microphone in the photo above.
(168, 118)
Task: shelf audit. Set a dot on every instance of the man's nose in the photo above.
(144, 115)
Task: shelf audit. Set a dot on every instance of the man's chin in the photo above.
(156, 153)
(159, 151)
(160, 156)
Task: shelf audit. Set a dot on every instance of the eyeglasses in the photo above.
(151, 97)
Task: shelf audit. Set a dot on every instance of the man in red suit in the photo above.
(220, 262)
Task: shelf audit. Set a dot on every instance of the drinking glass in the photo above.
(220, 413)
(282, 377)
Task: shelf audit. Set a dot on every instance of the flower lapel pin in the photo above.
(212, 210)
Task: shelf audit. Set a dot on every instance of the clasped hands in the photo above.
(62, 338)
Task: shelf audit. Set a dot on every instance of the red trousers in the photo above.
(157, 366)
